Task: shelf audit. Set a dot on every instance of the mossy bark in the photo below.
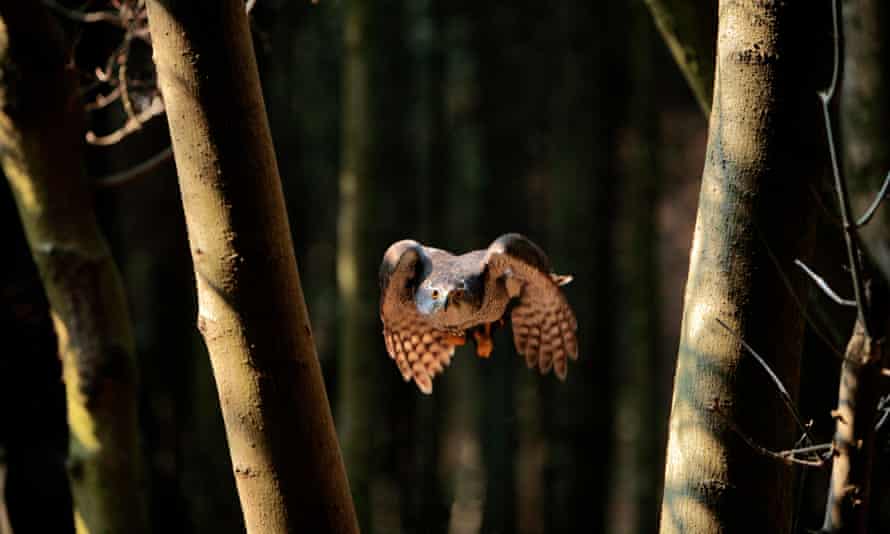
(42, 156)
(689, 28)
(764, 148)
(285, 455)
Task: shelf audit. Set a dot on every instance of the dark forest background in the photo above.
(568, 122)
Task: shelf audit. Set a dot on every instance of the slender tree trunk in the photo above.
(585, 111)
(865, 131)
(463, 224)
(865, 116)
(43, 159)
(5, 527)
(849, 495)
(285, 454)
(422, 497)
(764, 147)
(357, 286)
(641, 431)
(34, 430)
(689, 28)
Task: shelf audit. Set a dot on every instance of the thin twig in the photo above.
(823, 285)
(884, 408)
(869, 213)
(123, 62)
(85, 16)
(786, 397)
(830, 343)
(133, 173)
(156, 108)
(103, 101)
(850, 235)
(786, 457)
(817, 196)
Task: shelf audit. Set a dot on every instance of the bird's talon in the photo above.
(456, 340)
(484, 344)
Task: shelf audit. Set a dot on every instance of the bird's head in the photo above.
(447, 296)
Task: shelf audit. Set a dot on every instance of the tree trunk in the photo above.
(849, 495)
(423, 505)
(642, 415)
(865, 130)
(585, 115)
(865, 116)
(764, 147)
(33, 435)
(357, 285)
(690, 34)
(43, 159)
(285, 454)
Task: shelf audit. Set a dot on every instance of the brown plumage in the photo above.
(430, 299)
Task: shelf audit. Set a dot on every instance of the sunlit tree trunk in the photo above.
(286, 459)
(43, 159)
(764, 149)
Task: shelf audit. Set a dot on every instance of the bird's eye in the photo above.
(435, 294)
(458, 293)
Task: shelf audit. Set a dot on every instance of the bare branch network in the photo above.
(862, 368)
(140, 98)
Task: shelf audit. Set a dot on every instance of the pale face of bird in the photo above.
(448, 300)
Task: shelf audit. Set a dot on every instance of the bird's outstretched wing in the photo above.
(544, 326)
(420, 350)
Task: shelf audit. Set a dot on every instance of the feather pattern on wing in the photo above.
(430, 300)
(420, 350)
(544, 326)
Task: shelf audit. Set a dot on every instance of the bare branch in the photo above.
(786, 397)
(123, 83)
(884, 408)
(133, 173)
(156, 108)
(823, 285)
(850, 234)
(787, 457)
(85, 16)
(869, 213)
(103, 101)
(830, 343)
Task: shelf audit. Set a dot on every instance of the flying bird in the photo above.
(432, 299)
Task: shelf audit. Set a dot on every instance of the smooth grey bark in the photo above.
(251, 311)
(764, 149)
